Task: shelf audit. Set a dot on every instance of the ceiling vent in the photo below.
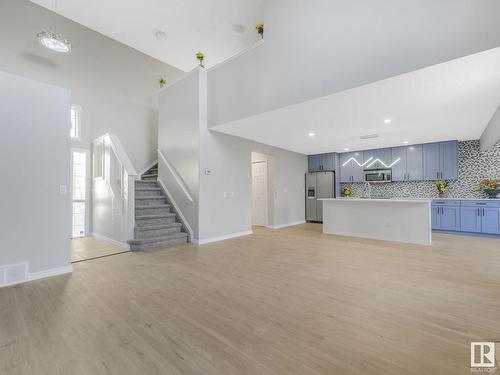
(369, 136)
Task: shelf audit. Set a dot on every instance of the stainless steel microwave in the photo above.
(378, 175)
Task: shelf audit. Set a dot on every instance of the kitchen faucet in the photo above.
(369, 188)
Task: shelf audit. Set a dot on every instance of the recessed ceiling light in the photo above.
(405, 142)
(311, 134)
(387, 121)
(346, 149)
(160, 34)
(238, 28)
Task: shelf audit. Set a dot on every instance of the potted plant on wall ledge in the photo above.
(490, 187)
(441, 186)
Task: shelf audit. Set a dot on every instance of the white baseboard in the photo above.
(222, 238)
(49, 273)
(286, 225)
(179, 212)
(121, 245)
(22, 275)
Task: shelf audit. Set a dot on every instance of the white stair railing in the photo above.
(118, 173)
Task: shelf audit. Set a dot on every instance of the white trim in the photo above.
(121, 245)
(279, 226)
(237, 54)
(225, 237)
(31, 276)
(177, 178)
(49, 273)
(148, 167)
(180, 79)
(177, 210)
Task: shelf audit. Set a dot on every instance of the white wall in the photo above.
(111, 212)
(224, 196)
(316, 48)
(35, 219)
(491, 134)
(115, 85)
(230, 159)
(179, 142)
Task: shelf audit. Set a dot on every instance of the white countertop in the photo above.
(379, 200)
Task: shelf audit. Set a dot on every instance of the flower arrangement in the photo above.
(441, 186)
(260, 29)
(162, 82)
(491, 187)
(346, 191)
(200, 57)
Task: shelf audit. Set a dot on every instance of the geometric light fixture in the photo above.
(54, 42)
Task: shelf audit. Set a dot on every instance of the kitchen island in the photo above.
(402, 220)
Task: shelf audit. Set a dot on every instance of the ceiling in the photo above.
(190, 25)
(452, 100)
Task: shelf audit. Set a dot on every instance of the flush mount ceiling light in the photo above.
(238, 28)
(160, 34)
(387, 121)
(311, 134)
(53, 41)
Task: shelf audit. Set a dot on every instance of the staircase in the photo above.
(155, 223)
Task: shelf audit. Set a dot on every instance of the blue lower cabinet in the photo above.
(435, 222)
(446, 215)
(450, 218)
(480, 216)
(470, 219)
(490, 220)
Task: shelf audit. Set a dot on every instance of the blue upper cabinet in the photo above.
(350, 170)
(441, 161)
(414, 164)
(399, 163)
(313, 163)
(321, 162)
(448, 156)
(431, 161)
(380, 158)
(407, 163)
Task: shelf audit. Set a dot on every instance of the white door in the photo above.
(259, 193)
(79, 191)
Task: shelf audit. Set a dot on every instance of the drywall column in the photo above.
(35, 214)
(491, 134)
(179, 145)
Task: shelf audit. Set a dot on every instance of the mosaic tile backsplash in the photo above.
(473, 166)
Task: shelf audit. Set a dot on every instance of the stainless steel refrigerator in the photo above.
(318, 185)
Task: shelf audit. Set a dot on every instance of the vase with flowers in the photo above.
(490, 187)
(346, 191)
(441, 186)
(201, 58)
(260, 29)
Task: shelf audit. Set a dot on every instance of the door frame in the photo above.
(266, 221)
(87, 188)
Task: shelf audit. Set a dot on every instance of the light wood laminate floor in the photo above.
(86, 248)
(288, 301)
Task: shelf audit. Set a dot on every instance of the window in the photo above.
(79, 193)
(76, 121)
